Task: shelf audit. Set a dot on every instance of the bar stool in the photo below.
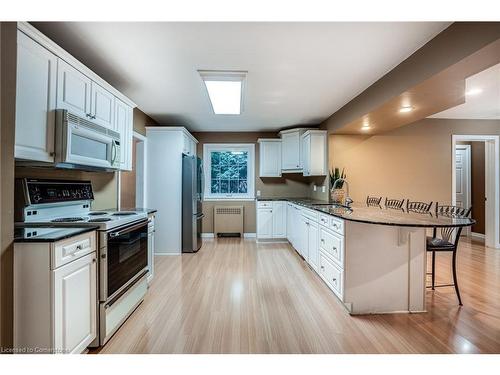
(373, 201)
(448, 242)
(418, 207)
(394, 203)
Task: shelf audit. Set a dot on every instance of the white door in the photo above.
(279, 219)
(265, 223)
(73, 90)
(270, 159)
(123, 120)
(313, 247)
(463, 179)
(290, 150)
(102, 106)
(75, 304)
(35, 101)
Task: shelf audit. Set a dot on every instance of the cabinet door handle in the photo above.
(322, 240)
(334, 249)
(93, 260)
(322, 267)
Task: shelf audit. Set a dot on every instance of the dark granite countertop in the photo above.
(379, 214)
(28, 233)
(138, 209)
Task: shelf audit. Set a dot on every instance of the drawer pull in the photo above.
(334, 280)
(79, 247)
(335, 226)
(323, 240)
(334, 249)
(322, 267)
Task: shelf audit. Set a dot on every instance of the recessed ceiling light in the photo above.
(406, 108)
(472, 92)
(225, 90)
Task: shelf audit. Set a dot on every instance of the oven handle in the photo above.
(128, 229)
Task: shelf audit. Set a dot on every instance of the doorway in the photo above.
(475, 182)
(132, 184)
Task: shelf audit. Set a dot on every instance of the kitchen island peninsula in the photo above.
(372, 257)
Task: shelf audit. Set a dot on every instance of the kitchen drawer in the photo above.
(332, 244)
(333, 223)
(331, 274)
(310, 214)
(264, 204)
(70, 249)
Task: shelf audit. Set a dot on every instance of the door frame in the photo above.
(492, 185)
(467, 230)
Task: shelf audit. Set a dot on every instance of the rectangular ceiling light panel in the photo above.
(225, 90)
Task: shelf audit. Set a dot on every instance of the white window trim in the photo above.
(207, 170)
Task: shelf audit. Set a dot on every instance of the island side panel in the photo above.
(382, 273)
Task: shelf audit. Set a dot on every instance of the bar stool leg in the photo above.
(433, 274)
(454, 263)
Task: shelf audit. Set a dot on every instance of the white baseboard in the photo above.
(245, 235)
(478, 236)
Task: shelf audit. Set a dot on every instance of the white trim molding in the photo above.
(492, 160)
(207, 235)
(208, 148)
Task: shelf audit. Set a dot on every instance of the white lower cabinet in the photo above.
(264, 223)
(55, 295)
(319, 239)
(75, 302)
(271, 220)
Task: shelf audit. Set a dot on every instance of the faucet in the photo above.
(348, 201)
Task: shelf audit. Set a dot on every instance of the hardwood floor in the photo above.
(236, 296)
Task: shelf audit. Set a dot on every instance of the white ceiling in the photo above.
(298, 73)
(484, 105)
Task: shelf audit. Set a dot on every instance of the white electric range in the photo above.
(123, 238)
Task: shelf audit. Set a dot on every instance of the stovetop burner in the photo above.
(97, 213)
(99, 220)
(124, 213)
(67, 219)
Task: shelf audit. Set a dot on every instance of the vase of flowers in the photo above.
(337, 193)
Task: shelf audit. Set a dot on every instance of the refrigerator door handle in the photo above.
(200, 216)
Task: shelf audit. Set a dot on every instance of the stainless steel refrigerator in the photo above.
(192, 192)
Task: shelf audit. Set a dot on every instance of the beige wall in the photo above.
(288, 186)
(7, 121)
(141, 120)
(410, 162)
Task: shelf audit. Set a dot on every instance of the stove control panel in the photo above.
(40, 191)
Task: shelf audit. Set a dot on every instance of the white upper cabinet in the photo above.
(35, 100)
(189, 144)
(73, 90)
(102, 106)
(270, 157)
(314, 152)
(290, 150)
(124, 124)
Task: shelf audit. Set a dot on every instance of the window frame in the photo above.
(208, 148)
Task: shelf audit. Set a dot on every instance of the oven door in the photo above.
(124, 259)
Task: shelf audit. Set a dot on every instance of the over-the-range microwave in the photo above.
(83, 144)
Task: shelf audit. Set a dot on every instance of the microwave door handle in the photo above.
(113, 152)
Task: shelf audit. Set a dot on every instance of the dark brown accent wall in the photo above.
(451, 46)
(292, 185)
(478, 184)
(8, 41)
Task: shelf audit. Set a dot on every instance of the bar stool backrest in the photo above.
(373, 201)
(394, 203)
(451, 233)
(418, 207)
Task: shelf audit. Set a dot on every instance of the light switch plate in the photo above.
(323, 189)
(314, 188)
(258, 193)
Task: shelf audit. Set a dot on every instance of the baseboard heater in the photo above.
(228, 221)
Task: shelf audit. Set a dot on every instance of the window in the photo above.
(229, 171)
